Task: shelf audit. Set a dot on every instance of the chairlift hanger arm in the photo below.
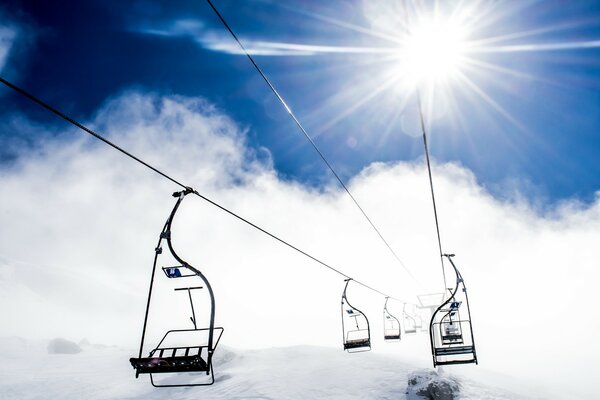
(454, 291)
(180, 196)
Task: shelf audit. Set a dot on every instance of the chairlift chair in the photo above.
(180, 351)
(391, 325)
(356, 333)
(418, 321)
(428, 303)
(410, 325)
(450, 333)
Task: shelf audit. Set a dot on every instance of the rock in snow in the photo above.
(427, 384)
(63, 346)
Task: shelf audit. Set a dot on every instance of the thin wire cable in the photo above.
(164, 175)
(86, 129)
(435, 214)
(307, 136)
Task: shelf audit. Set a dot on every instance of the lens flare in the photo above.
(433, 51)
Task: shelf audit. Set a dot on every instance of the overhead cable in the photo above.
(310, 140)
(435, 213)
(177, 182)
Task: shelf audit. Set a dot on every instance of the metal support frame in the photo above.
(407, 317)
(387, 315)
(349, 347)
(449, 348)
(212, 344)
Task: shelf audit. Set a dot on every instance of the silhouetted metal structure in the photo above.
(410, 324)
(180, 350)
(391, 325)
(355, 326)
(450, 329)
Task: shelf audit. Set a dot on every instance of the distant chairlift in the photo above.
(450, 331)
(418, 321)
(180, 350)
(410, 324)
(355, 326)
(391, 325)
(428, 303)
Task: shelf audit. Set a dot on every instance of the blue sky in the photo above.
(541, 138)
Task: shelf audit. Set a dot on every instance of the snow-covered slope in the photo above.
(302, 372)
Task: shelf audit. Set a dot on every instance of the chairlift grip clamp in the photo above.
(185, 192)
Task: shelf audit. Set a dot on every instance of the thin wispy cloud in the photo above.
(532, 47)
(17, 38)
(8, 35)
(221, 41)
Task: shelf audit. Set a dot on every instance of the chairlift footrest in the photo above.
(456, 362)
(355, 344)
(151, 365)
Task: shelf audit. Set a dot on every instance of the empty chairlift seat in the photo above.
(355, 326)
(450, 329)
(169, 357)
(181, 353)
(410, 324)
(391, 325)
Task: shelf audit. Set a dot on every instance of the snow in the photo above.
(300, 372)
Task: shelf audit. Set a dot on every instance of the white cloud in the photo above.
(81, 222)
(8, 35)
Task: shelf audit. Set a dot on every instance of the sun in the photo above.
(433, 50)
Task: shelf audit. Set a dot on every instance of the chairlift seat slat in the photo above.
(452, 337)
(449, 351)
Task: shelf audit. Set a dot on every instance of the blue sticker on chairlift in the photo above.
(173, 272)
(350, 311)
